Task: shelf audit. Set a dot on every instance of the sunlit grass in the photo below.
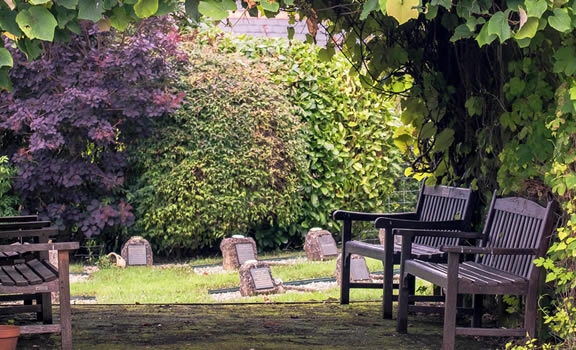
(161, 284)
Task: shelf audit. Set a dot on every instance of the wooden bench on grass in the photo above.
(439, 207)
(515, 233)
(26, 274)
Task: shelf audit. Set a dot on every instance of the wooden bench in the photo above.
(515, 233)
(26, 274)
(439, 207)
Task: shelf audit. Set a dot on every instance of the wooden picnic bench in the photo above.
(439, 207)
(516, 232)
(26, 274)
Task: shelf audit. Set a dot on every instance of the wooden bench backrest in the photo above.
(516, 222)
(443, 203)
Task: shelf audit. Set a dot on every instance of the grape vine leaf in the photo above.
(498, 25)
(528, 30)
(8, 23)
(39, 2)
(565, 62)
(268, 5)
(146, 8)
(444, 140)
(90, 9)
(561, 21)
(119, 18)
(69, 4)
(213, 9)
(37, 23)
(402, 10)
(536, 8)
(5, 58)
(483, 37)
(369, 6)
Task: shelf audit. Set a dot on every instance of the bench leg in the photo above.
(65, 309)
(478, 310)
(45, 299)
(388, 264)
(403, 296)
(345, 281)
(450, 304)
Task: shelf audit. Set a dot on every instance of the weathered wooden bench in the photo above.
(515, 233)
(26, 274)
(439, 207)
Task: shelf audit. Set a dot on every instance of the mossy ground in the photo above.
(253, 326)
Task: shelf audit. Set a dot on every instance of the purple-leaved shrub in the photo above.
(72, 113)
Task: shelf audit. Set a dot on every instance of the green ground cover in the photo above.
(180, 284)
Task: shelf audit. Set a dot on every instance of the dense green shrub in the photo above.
(353, 163)
(8, 201)
(230, 161)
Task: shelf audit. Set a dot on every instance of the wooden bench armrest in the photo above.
(358, 216)
(428, 233)
(38, 247)
(24, 218)
(488, 251)
(413, 224)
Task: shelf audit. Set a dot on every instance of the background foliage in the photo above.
(342, 154)
(66, 123)
(352, 160)
(230, 161)
(8, 200)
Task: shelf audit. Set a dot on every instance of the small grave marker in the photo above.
(328, 245)
(359, 270)
(245, 252)
(256, 278)
(320, 245)
(262, 278)
(137, 252)
(236, 251)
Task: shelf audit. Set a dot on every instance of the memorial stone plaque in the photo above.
(327, 245)
(262, 278)
(359, 270)
(245, 252)
(136, 254)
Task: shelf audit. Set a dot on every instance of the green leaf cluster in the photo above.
(230, 161)
(8, 200)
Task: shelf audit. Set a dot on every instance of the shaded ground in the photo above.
(256, 326)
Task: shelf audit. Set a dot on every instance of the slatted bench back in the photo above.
(516, 223)
(443, 203)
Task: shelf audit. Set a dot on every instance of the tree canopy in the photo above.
(487, 87)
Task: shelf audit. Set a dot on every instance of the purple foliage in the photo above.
(74, 111)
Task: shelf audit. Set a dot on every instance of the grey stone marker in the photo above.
(328, 245)
(262, 278)
(245, 252)
(137, 252)
(359, 270)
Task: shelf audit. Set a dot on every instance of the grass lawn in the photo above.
(159, 284)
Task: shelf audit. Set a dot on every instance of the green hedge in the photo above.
(8, 201)
(267, 144)
(230, 161)
(352, 160)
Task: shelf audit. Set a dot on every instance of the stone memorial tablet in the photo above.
(137, 254)
(262, 278)
(328, 245)
(359, 270)
(245, 252)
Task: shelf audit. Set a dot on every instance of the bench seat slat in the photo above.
(5, 280)
(15, 275)
(47, 273)
(28, 274)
